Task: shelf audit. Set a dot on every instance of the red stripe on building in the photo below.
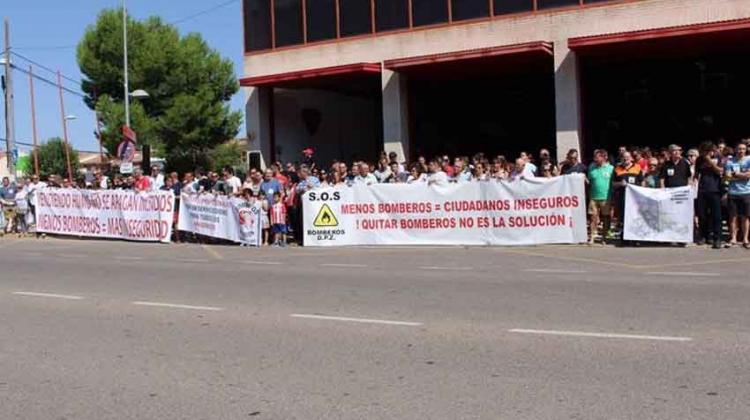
(348, 69)
(539, 46)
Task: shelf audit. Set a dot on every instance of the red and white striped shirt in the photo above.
(278, 214)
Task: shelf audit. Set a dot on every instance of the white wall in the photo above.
(348, 125)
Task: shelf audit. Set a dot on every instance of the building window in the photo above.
(503, 7)
(429, 12)
(548, 4)
(321, 19)
(470, 9)
(288, 24)
(355, 17)
(257, 25)
(391, 14)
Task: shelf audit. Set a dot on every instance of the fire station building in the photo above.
(425, 77)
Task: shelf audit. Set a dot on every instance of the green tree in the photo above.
(187, 113)
(52, 158)
(227, 154)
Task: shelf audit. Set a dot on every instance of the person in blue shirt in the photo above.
(306, 181)
(8, 190)
(270, 185)
(737, 171)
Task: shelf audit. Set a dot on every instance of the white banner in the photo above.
(526, 212)
(659, 215)
(114, 214)
(222, 217)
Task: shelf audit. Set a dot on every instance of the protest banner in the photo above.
(112, 214)
(525, 212)
(659, 215)
(221, 217)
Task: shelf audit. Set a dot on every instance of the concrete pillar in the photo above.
(567, 100)
(258, 114)
(395, 114)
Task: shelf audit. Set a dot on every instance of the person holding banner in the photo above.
(437, 177)
(738, 174)
(142, 183)
(676, 170)
(627, 172)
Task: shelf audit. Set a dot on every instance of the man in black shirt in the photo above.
(676, 171)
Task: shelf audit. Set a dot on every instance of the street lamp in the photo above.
(67, 118)
(139, 94)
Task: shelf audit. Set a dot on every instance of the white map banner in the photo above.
(659, 215)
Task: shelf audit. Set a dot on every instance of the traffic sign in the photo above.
(126, 151)
(126, 167)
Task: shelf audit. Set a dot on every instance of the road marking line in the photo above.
(552, 270)
(129, 258)
(191, 261)
(600, 335)
(359, 320)
(344, 265)
(262, 262)
(681, 274)
(177, 306)
(215, 255)
(48, 295)
(70, 255)
(430, 267)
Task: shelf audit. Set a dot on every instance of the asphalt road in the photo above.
(111, 330)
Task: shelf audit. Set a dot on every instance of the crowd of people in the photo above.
(720, 175)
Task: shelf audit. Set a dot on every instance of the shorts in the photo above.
(739, 205)
(599, 207)
(278, 228)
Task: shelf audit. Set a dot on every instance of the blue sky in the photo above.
(47, 31)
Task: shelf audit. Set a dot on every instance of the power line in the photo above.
(42, 48)
(204, 12)
(42, 66)
(45, 80)
(19, 143)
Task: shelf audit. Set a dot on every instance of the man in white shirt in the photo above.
(232, 181)
(522, 170)
(462, 170)
(157, 178)
(437, 177)
(365, 177)
(101, 181)
(393, 158)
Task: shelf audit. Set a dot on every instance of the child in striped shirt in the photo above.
(278, 220)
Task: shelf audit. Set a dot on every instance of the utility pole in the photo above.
(125, 62)
(10, 141)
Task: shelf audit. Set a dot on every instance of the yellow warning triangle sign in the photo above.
(325, 218)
